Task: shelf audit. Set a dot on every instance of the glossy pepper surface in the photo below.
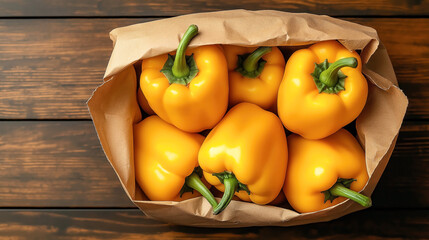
(322, 90)
(245, 154)
(321, 172)
(190, 89)
(166, 161)
(254, 75)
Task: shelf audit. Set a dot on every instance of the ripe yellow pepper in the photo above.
(166, 161)
(332, 169)
(143, 103)
(190, 92)
(254, 75)
(245, 154)
(316, 98)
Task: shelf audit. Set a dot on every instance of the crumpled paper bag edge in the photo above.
(194, 199)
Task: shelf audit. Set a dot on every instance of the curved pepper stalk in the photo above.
(232, 185)
(182, 69)
(328, 77)
(342, 189)
(251, 65)
(193, 182)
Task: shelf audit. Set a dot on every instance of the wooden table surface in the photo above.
(55, 182)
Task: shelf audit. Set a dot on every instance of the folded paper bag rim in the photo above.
(114, 108)
(144, 40)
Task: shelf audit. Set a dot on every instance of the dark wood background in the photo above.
(55, 182)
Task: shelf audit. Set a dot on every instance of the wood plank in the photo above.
(135, 8)
(48, 69)
(405, 181)
(408, 47)
(132, 224)
(61, 164)
(51, 164)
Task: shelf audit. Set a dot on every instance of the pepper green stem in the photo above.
(251, 62)
(341, 191)
(180, 68)
(193, 181)
(231, 185)
(330, 76)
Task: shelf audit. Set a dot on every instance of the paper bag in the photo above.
(114, 108)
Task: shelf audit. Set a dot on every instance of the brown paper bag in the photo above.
(114, 107)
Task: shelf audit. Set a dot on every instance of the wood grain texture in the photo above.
(408, 47)
(61, 164)
(50, 66)
(406, 170)
(48, 69)
(132, 224)
(135, 8)
(51, 164)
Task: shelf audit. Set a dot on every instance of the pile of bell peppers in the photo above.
(218, 118)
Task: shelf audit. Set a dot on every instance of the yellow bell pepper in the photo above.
(143, 102)
(254, 75)
(316, 98)
(190, 92)
(245, 154)
(331, 169)
(166, 161)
